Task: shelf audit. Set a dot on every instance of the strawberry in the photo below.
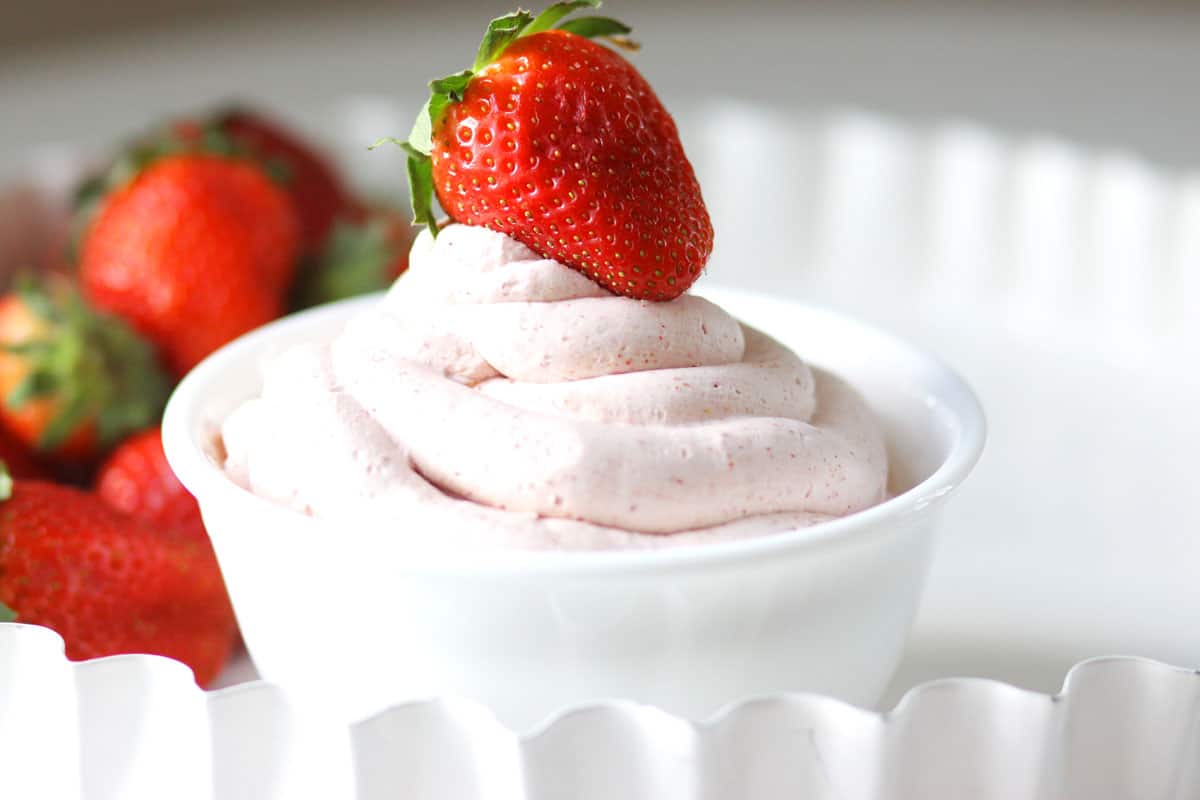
(364, 253)
(195, 251)
(317, 192)
(137, 480)
(108, 583)
(21, 461)
(73, 381)
(560, 143)
(319, 195)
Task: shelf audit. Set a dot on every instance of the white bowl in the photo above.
(353, 618)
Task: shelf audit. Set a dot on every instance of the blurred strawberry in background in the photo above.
(314, 186)
(137, 480)
(181, 240)
(109, 583)
(74, 381)
(21, 461)
(195, 251)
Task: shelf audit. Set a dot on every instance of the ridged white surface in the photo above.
(137, 727)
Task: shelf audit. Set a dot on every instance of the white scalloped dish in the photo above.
(138, 727)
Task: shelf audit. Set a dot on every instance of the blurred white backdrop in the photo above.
(1107, 73)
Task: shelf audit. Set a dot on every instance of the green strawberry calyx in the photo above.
(356, 259)
(501, 33)
(7, 614)
(93, 365)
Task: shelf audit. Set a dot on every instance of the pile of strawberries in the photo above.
(191, 237)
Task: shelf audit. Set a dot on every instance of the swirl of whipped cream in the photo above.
(526, 403)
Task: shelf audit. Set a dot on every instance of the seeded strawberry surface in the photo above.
(111, 584)
(137, 480)
(562, 144)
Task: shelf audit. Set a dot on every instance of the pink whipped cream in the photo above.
(497, 399)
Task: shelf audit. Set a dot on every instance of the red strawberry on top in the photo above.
(560, 143)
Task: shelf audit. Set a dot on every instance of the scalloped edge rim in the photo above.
(547, 726)
(720, 717)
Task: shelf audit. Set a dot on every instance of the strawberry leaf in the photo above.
(420, 179)
(7, 614)
(387, 140)
(550, 17)
(37, 300)
(444, 91)
(452, 86)
(420, 138)
(595, 27)
(500, 34)
(357, 258)
(34, 385)
(420, 185)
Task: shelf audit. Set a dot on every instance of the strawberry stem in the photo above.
(420, 186)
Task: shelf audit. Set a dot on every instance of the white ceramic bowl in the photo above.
(354, 619)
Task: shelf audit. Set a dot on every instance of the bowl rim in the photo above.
(209, 483)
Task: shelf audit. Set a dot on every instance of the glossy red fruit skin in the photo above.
(137, 480)
(563, 145)
(319, 195)
(110, 584)
(196, 251)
